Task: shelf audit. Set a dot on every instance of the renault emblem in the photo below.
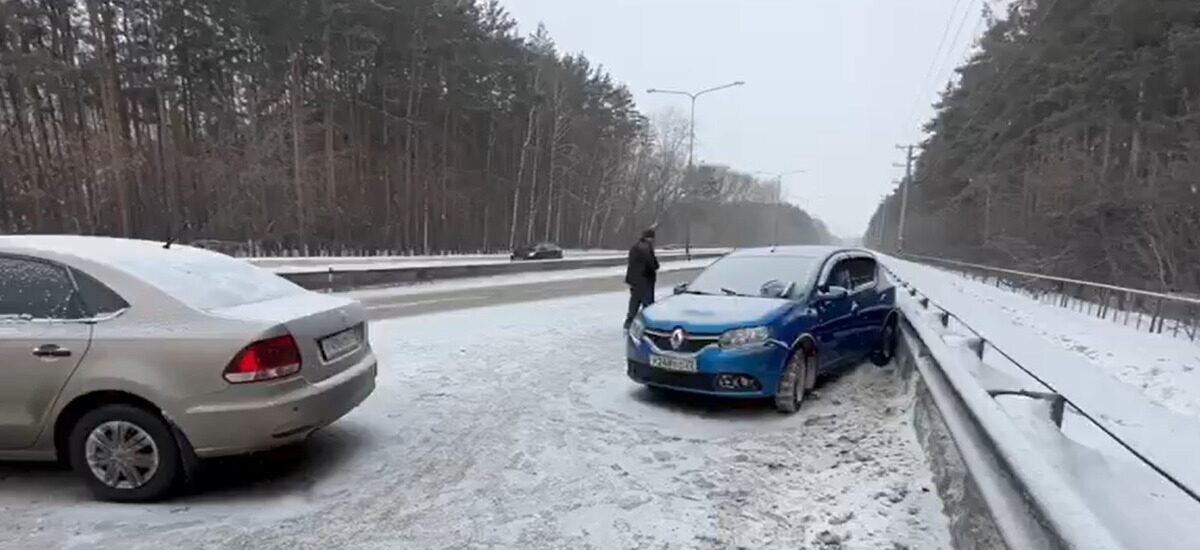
(677, 338)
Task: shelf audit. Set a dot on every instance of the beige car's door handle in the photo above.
(51, 350)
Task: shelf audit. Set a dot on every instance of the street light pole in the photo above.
(691, 132)
(692, 141)
(777, 177)
(692, 118)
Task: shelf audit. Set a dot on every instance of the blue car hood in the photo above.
(713, 314)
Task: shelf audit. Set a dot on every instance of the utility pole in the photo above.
(904, 185)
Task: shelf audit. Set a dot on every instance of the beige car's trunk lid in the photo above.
(330, 331)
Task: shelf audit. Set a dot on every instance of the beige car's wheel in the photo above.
(125, 454)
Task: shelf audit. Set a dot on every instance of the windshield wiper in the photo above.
(729, 292)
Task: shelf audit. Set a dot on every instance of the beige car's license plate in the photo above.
(340, 344)
(676, 364)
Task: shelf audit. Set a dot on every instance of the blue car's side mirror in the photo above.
(680, 288)
(832, 294)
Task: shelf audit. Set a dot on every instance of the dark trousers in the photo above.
(640, 296)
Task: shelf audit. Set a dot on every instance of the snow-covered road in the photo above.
(515, 427)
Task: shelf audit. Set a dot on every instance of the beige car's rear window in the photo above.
(206, 280)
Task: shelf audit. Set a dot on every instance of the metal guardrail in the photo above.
(1029, 506)
(337, 280)
(1156, 312)
(1062, 518)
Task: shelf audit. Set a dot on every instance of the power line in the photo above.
(989, 94)
(1028, 38)
(944, 75)
(936, 61)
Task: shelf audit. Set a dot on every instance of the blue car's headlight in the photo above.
(742, 337)
(637, 330)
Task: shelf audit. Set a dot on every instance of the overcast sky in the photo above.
(830, 84)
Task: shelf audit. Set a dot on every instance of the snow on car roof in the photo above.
(200, 278)
(98, 249)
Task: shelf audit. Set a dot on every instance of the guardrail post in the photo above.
(1058, 403)
(1058, 406)
(1157, 317)
(977, 344)
(329, 287)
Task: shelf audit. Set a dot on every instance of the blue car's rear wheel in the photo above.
(799, 376)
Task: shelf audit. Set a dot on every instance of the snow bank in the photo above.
(1123, 491)
(1165, 369)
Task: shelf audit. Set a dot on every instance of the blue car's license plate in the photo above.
(677, 364)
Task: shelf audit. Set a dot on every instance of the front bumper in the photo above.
(764, 364)
(272, 421)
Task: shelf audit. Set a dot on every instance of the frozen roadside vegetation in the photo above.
(1165, 369)
(515, 427)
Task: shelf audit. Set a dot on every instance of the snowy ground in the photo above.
(515, 427)
(1165, 369)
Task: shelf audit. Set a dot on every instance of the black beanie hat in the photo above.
(648, 234)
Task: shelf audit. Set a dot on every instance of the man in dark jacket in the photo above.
(641, 274)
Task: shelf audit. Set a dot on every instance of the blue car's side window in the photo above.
(862, 273)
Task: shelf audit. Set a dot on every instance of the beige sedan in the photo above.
(129, 359)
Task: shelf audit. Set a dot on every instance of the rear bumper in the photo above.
(259, 424)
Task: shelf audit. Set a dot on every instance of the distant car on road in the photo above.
(542, 251)
(129, 360)
(765, 322)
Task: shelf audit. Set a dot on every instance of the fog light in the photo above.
(737, 382)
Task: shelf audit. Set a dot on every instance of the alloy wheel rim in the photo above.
(121, 454)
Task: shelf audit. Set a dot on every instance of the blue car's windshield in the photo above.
(766, 276)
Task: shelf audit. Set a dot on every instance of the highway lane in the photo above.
(407, 305)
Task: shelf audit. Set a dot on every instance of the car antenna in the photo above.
(173, 236)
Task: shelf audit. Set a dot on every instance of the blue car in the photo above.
(765, 322)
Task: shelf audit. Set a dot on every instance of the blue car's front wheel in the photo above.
(799, 376)
(885, 349)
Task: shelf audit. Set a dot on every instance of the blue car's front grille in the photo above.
(691, 344)
(646, 374)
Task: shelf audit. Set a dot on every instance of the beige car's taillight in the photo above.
(265, 360)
